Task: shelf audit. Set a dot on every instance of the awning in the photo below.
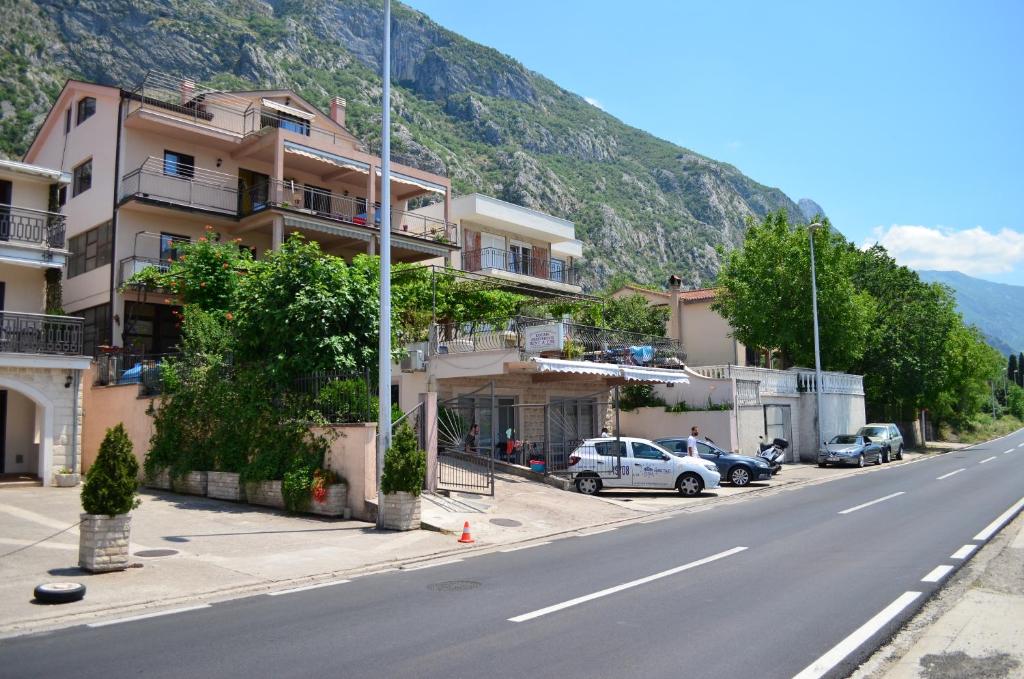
(333, 229)
(659, 375)
(400, 178)
(627, 372)
(326, 157)
(297, 112)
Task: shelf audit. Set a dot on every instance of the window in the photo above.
(96, 328)
(607, 449)
(62, 196)
(557, 272)
(702, 448)
(90, 250)
(67, 120)
(167, 241)
(285, 122)
(675, 445)
(519, 257)
(81, 178)
(179, 164)
(646, 451)
(316, 199)
(86, 107)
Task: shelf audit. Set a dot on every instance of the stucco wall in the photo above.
(706, 336)
(353, 455)
(841, 414)
(22, 437)
(105, 407)
(24, 288)
(653, 423)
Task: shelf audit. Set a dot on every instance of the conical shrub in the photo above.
(112, 482)
(405, 465)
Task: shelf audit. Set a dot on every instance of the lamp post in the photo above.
(811, 228)
(384, 348)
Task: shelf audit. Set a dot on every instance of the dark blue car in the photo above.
(739, 470)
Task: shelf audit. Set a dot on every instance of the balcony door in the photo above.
(253, 191)
(519, 257)
(6, 197)
(492, 252)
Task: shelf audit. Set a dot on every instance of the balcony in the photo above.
(23, 333)
(129, 266)
(786, 382)
(31, 227)
(552, 338)
(523, 263)
(182, 186)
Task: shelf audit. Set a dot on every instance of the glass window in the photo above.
(675, 445)
(67, 120)
(285, 122)
(179, 164)
(81, 178)
(702, 448)
(645, 451)
(557, 271)
(90, 250)
(95, 328)
(86, 107)
(168, 253)
(607, 449)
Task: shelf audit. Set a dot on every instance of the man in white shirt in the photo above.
(691, 443)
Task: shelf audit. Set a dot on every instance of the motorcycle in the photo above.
(772, 453)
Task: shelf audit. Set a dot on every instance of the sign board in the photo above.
(548, 337)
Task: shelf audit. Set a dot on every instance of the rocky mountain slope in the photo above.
(643, 207)
(996, 308)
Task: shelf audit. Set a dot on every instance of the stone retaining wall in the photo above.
(334, 502)
(224, 486)
(192, 483)
(265, 493)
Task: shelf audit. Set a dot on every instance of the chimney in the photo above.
(188, 88)
(338, 110)
(676, 318)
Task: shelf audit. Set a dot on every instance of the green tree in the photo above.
(1011, 369)
(111, 486)
(765, 294)
(1020, 369)
(631, 313)
(969, 365)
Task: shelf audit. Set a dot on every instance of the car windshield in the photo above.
(872, 431)
(844, 438)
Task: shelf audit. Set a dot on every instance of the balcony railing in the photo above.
(31, 227)
(521, 263)
(557, 338)
(770, 382)
(292, 195)
(129, 266)
(23, 333)
(185, 185)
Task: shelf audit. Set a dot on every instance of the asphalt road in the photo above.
(802, 583)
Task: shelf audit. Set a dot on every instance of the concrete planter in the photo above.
(66, 480)
(265, 493)
(161, 480)
(401, 511)
(103, 542)
(334, 502)
(224, 486)
(192, 483)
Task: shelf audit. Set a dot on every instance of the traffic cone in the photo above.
(466, 539)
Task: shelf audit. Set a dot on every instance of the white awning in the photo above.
(290, 110)
(400, 178)
(659, 375)
(325, 157)
(627, 372)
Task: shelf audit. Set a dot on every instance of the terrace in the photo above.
(494, 261)
(31, 227)
(24, 333)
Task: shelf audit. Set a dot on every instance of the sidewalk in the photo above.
(211, 550)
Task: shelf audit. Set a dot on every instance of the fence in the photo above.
(340, 397)
(141, 369)
(35, 227)
(24, 333)
(160, 179)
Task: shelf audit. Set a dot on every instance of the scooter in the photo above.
(772, 453)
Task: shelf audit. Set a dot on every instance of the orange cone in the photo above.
(466, 539)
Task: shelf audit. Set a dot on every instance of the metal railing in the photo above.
(34, 227)
(186, 185)
(340, 397)
(522, 263)
(121, 368)
(129, 266)
(563, 339)
(24, 333)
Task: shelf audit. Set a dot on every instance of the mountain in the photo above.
(642, 206)
(809, 209)
(996, 308)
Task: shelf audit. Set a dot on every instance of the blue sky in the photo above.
(904, 120)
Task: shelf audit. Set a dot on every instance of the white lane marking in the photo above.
(430, 565)
(937, 573)
(835, 655)
(598, 532)
(994, 527)
(873, 502)
(144, 616)
(1007, 452)
(946, 476)
(627, 585)
(305, 587)
(516, 549)
(963, 552)
(987, 459)
(1020, 445)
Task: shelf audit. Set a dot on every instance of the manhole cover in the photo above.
(154, 553)
(454, 586)
(510, 523)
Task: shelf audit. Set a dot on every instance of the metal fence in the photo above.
(527, 264)
(141, 369)
(23, 333)
(195, 187)
(340, 397)
(34, 227)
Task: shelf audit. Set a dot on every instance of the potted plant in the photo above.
(65, 478)
(329, 493)
(405, 467)
(108, 496)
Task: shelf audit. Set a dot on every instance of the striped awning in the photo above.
(290, 110)
(399, 178)
(610, 370)
(656, 375)
(326, 157)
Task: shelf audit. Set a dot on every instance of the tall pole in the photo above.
(817, 344)
(384, 358)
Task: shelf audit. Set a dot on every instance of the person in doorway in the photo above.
(605, 433)
(471, 438)
(691, 443)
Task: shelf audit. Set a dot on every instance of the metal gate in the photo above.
(464, 461)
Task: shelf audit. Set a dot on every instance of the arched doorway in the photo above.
(28, 429)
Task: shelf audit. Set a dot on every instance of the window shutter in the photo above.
(471, 250)
(540, 262)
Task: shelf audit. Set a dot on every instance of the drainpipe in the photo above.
(74, 423)
(674, 284)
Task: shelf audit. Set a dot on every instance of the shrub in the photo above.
(111, 484)
(639, 396)
(405, 465)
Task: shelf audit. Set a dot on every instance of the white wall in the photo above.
(841, 414)
(24, 289)
(653, 423)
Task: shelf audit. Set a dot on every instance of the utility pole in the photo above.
(817, 346)
(384, 351)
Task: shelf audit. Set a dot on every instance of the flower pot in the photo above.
(161, 480)
(66, 480)
(103, 542)
(401, 511)
(192, 483)
(334, 502)
(224, 486)
(265, 493)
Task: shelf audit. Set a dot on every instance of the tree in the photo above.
(1011, 369)
(1020, 370)
(765, 294)
(631, 313)
(111, 485)
(969, 365)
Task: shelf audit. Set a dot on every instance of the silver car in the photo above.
(886, 435)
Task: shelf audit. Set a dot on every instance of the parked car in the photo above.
(850, 449)
(739, 470)
(638, 463)
(888, 436)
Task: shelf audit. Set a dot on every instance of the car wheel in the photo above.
(822, 464)
(899, 453)
(689, 485)
(860, 460)
(739, 476)
(878, 460)
(59, 592)
(588, 485)
(884, 456)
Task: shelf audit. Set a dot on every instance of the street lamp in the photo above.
(817, 345)
(384, 348)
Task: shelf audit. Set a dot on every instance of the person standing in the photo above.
(691, 443)
(471, 438)
(605, 433)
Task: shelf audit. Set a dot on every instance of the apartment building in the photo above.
(41, 360)
(156, 163)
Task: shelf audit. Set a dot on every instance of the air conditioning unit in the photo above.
(413, 362)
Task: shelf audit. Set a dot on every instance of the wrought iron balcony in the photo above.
(524, 263)
(183, 185)
(31, 227)
(23, 333)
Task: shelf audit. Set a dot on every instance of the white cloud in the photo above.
(971, 251)
(594, 102)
